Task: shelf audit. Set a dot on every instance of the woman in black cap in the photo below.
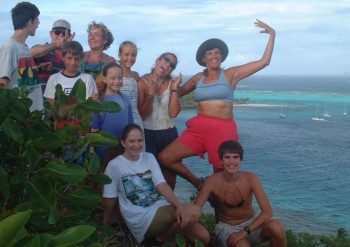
(213, 89)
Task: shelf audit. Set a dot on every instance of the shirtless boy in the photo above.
(233, 190)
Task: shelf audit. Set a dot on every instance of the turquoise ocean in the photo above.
(303, 164)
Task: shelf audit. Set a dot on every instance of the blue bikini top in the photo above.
(218, 90)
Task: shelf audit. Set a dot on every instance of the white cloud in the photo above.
(316, 28)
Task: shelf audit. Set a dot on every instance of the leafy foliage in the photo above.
(48, 181)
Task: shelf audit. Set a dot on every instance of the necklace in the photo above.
(157, 83)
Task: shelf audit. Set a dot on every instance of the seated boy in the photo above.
(233, 191)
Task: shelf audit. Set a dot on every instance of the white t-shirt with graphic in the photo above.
(134, 182)
(67, 83)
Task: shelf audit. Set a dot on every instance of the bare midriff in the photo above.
(216, 108)
(236, 216)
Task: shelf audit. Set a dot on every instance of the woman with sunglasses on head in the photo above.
(213, 90)
(127, 55)
(158, 103)
(100, 38)
(149, 207)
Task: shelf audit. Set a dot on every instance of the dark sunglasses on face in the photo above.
(167, 60)
(60, 31)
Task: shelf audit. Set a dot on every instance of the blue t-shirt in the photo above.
(113, 122)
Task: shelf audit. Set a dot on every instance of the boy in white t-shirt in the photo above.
(72, 53)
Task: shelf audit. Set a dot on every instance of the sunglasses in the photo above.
(60, 31)
(167, 60)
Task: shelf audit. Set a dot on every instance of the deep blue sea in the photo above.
(304, 165)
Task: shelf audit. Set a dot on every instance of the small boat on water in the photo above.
(282, 114)
(345, 110)
(326, 113)
(318, 118)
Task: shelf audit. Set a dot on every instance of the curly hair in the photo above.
(105, 32)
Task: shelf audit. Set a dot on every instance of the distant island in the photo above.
(188, 101)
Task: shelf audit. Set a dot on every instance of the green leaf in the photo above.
(198, 243)
(4, 184)
(91, 105)
(12, 130)
(180, 240)
(67, 172)
(68, 133)
(19, 111)
(101, 138)
(110, 106)
(99, 179)
(72, 236)
(14, 94)
(30, 241)
(84, 197)
(30, 153)
(54, 216)
(79, 91)
(41, 192)
(92, 164)
(47, 106)
(12, 226)
(46, 141)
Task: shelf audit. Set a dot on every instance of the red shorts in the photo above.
(205, 135)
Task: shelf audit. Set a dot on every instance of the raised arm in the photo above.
(145, 98)
(190, 85)
(235, 74)
(174, 103)
(41, 50)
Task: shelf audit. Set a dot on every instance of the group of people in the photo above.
(150, 156)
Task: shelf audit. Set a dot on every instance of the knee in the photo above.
(275, 228)
(164, 158)
(203, 236)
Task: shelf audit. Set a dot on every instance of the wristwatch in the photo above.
(247, 229)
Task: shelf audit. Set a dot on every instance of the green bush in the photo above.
(48, 181)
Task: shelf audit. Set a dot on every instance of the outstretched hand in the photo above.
(267, 28)
(175, 82)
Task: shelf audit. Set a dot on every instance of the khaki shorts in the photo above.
(163, 219)
(223, 231)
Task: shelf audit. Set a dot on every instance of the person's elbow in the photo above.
(265, 63)
(268, 213)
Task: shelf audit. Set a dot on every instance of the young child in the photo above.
(233, 191)
(127, 55)
(72, 53)
(112, 122)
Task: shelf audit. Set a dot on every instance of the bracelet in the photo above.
(174, 91)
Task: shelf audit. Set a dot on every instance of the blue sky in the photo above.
(313, 37)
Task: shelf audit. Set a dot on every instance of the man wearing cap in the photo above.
(213, 90)
(48, 56)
